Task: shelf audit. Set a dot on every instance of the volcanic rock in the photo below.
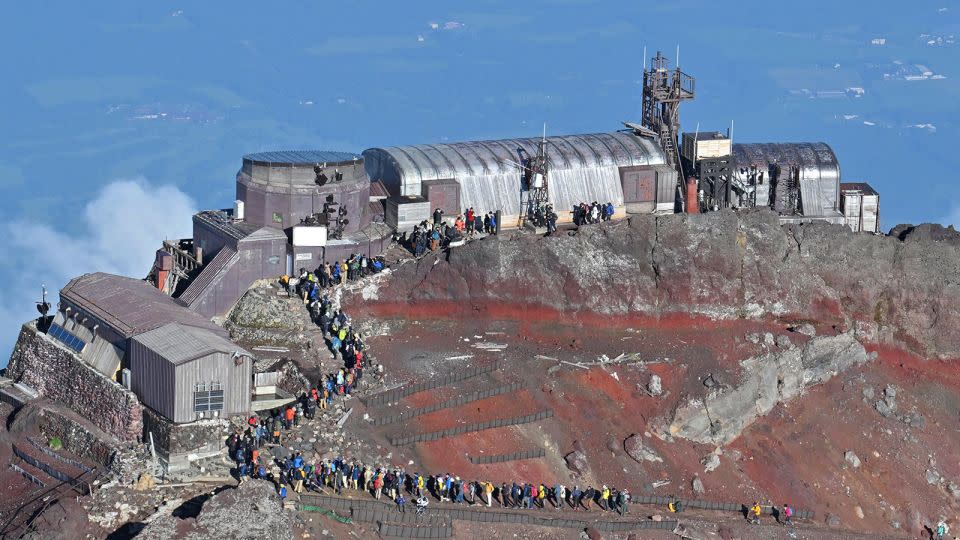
(250, 511)
(806, 329)
(697, 485)
(655, 386)
(725, 265)
(635, 448)
(769, 379)
(577, 462)
(711, 462)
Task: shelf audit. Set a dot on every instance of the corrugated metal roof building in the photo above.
(583, 168)
(123, 307)
(187, 373)
(813, 163)
(100, 312)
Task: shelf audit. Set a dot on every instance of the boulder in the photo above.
(655, 386)
(144, 482)
(577, 462)
(634, 447)
(697, 485)
(783, 341)
(851, 458)
(954, 490)
(711, 462)
(806, 329)
(769, 379)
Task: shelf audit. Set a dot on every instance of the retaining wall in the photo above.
(81, 486)
(175, 443)
(57, 373)
(76, 438)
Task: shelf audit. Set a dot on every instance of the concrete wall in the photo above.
(56, 373)
(296, 201)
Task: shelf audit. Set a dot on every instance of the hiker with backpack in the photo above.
(787, 514)
(755, 511)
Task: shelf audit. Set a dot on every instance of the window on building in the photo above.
(277, 217)
(67, 338)
(208, 397)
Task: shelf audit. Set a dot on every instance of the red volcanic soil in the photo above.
(795, 454)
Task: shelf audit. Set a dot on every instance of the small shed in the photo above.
(187, 373)
(860, 205)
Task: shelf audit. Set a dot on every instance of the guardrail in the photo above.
(450, 403)
(63, 459)
(501, 458)
(468, 428)
(377, 512)
(394, 395)
(82, 487)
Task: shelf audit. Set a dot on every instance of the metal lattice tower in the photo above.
(663, 91)
(533, 171)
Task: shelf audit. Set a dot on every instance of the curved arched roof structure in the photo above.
(817, 165)
(583, 168)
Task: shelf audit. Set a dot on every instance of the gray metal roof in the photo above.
(131, 306)
(178, 343)
(864, 187)
(301, 157)
(475, 158)
(222, 221)
(224, 258)
(583, 168)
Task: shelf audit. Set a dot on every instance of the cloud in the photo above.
(119, 231)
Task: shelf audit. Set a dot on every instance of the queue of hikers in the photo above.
(308, 285)
(440, 232)
(594, 212)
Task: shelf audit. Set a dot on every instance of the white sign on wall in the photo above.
(304, 256)
(309, 236)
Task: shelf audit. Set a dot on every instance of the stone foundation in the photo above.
(58, 374)
(177, 445)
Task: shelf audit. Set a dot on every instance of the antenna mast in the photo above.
(663, 92)
(534, 194)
